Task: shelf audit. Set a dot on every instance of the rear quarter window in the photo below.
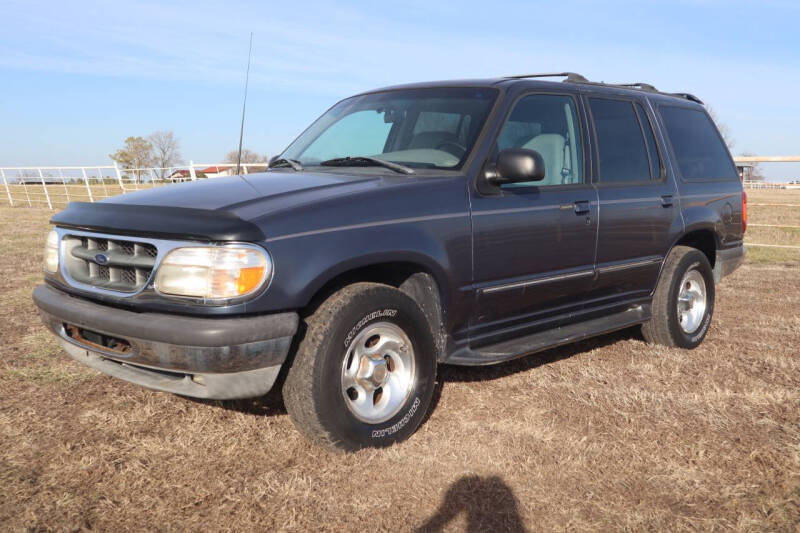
(700, 152)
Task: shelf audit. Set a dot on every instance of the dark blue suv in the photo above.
(465, 222)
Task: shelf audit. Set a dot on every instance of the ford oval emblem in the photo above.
(101, 259)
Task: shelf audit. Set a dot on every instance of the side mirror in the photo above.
(516, 165)
(273, 159)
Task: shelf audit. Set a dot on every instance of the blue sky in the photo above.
(76, 78)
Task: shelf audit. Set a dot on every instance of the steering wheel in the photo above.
(453, 148)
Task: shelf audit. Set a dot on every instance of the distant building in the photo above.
(215, 171)
(186, 175)
(35, 180)
(745, 171)
(210, 172)
(180, 175)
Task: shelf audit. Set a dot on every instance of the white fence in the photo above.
(753, 184)
(54, 187)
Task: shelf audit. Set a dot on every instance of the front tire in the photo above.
(364, 374)
(683, 302)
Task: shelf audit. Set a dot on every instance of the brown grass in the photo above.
(606, 434)
(35, 195)
(775, 196)
(773, 215)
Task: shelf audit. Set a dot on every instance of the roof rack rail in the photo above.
(637, 85)
(570, 76)
(687, 96)
(574, 77)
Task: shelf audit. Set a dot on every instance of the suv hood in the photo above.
(224, 209)
(236, 193)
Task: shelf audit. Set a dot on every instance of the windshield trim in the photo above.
(465, 162)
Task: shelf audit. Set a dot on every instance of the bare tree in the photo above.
(249, 158)
(723, 128)
(752, 173)
(135, 156)
(755, 172)
(166, 151)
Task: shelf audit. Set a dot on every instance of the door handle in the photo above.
(666, 200)
(581, 207)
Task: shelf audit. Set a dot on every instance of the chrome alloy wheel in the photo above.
(692, 301)
(378, 372)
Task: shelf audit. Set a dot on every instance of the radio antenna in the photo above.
(244, 105)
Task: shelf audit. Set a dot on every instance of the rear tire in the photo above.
(363, 375)
(683, 302)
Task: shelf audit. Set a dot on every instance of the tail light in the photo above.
(744, 211)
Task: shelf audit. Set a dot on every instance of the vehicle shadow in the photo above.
(467, 374)
(272, 403)
(489, 505)
(269, 405)
(529, 362)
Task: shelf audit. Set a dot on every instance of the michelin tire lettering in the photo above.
(361, 323)
(391, 430)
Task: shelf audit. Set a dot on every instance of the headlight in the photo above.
(51, 253)
(213, 272)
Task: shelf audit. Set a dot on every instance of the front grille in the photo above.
(112, 264)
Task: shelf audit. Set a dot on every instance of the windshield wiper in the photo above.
(362, 161)
(283, 162)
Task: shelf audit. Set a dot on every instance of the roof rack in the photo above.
(687, 96)
(638, 85)
(649, 88)
(573, 77)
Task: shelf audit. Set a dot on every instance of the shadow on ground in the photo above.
(465, 374)
(269, 405)
(488, 503)
(272, 403)
(461, 374)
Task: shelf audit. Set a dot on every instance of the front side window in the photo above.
(620, 142)
(548, 124)
(698, 147)
(418, 128)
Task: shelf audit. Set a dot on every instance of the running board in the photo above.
(543, 340)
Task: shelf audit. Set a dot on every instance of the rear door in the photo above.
(534, 242)
(638, 204)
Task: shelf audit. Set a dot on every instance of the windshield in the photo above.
(418, 128)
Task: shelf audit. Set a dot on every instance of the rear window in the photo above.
(698, 147)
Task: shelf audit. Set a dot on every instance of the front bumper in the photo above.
(214, 358)
(728, 260)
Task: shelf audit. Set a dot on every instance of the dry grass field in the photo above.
(34, 195)
(606, 434)
(774, 213)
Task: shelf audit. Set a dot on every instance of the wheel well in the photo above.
(703, 240)
(410, 278)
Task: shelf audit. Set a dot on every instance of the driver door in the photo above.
(534, 242)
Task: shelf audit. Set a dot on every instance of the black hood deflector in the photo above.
(158, 221)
